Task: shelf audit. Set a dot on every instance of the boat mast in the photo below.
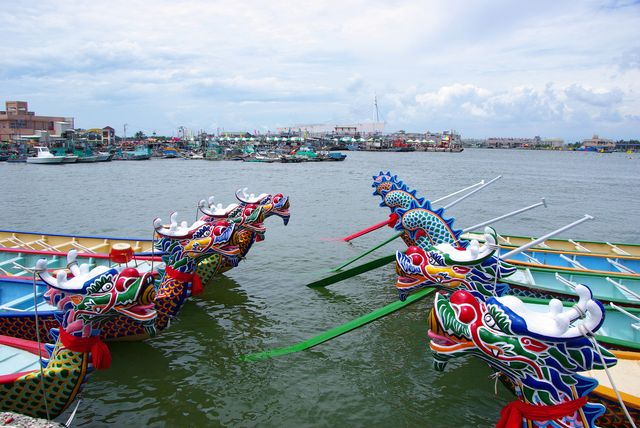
(375, 103)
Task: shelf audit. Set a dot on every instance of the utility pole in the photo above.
(125, 133)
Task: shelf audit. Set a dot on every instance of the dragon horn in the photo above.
(72, 263)
(43, 273)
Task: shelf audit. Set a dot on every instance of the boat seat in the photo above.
(14, 360)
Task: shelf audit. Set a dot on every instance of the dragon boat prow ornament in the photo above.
(246, 198)
(539, 353)
(475, 268)
(50, 382)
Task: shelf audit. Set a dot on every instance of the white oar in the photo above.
(450, 195)
(622, 268)
(502, 217)
(471, 192)
(629, 314)
(623, 288)
(545, 237)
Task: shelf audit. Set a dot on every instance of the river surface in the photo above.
(378, 375)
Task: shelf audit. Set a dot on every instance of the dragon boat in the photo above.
(58, 243)
(41, 380)
(424, 226)
(248, 216)
(542, 355)
(611, 249)
(183, 246)
(481, 268)
(19, 262)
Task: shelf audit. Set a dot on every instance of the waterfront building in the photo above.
(322, 129)
(17, 121)
(597, 143)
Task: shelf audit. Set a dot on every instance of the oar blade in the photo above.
(340, 276)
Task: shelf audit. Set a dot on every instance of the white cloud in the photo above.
(478, 67)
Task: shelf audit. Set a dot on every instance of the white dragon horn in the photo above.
(184, 224)
(202, 204)
(72, 263)
(474, 247)
(157, 223)
(174, 222)
(211, 199)
(585, 306)
(61, 278)
(84, 268)
(43, 273)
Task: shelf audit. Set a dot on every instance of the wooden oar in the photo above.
(369, 251)
(339, 330)
(390, 258)
(390, 221)
(365, 267)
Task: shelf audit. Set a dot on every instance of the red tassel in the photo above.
(512, 414)
(100, 355)
(193, 278)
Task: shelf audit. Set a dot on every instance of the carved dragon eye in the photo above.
(277, 198)
(220, 227)
(489, 321)
(249, 209)
(416, 255)
(106, 287)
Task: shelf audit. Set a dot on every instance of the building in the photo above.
(321, 129)
(17, 121)
(598, 143)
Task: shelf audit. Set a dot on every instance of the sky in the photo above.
(565, 69)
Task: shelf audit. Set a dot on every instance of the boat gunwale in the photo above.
(146, 256)
(111, 238)
(569, 269)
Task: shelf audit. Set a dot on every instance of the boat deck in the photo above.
(14, 360)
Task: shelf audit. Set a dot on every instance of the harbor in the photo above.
(355, 377)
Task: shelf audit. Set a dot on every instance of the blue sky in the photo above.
(564, 69)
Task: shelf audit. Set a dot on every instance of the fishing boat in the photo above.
(15, 239)
(104, 156)
(41, 380)
(44, 156)
(564, 245)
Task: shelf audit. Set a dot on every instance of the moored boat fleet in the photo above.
(549, 316)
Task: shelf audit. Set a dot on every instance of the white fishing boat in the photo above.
(44, 156)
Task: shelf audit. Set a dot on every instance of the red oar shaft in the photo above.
(388, 222)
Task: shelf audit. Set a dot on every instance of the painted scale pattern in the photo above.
(63, 377)
(170, 297)
(217, 263)
(438, 231)
(24, 327)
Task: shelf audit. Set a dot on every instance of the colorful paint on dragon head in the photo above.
(88, 300)
(96, 295)
(277, 204)
(184, 246)
(539, 352)
(243, 216)
(475, 268)
(383, 182)
(427, 227)
(399, 196)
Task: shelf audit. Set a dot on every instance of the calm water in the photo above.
(379, 375)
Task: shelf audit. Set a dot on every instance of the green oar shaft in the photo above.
(369, 251)
(340, 330)
(365, 267)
